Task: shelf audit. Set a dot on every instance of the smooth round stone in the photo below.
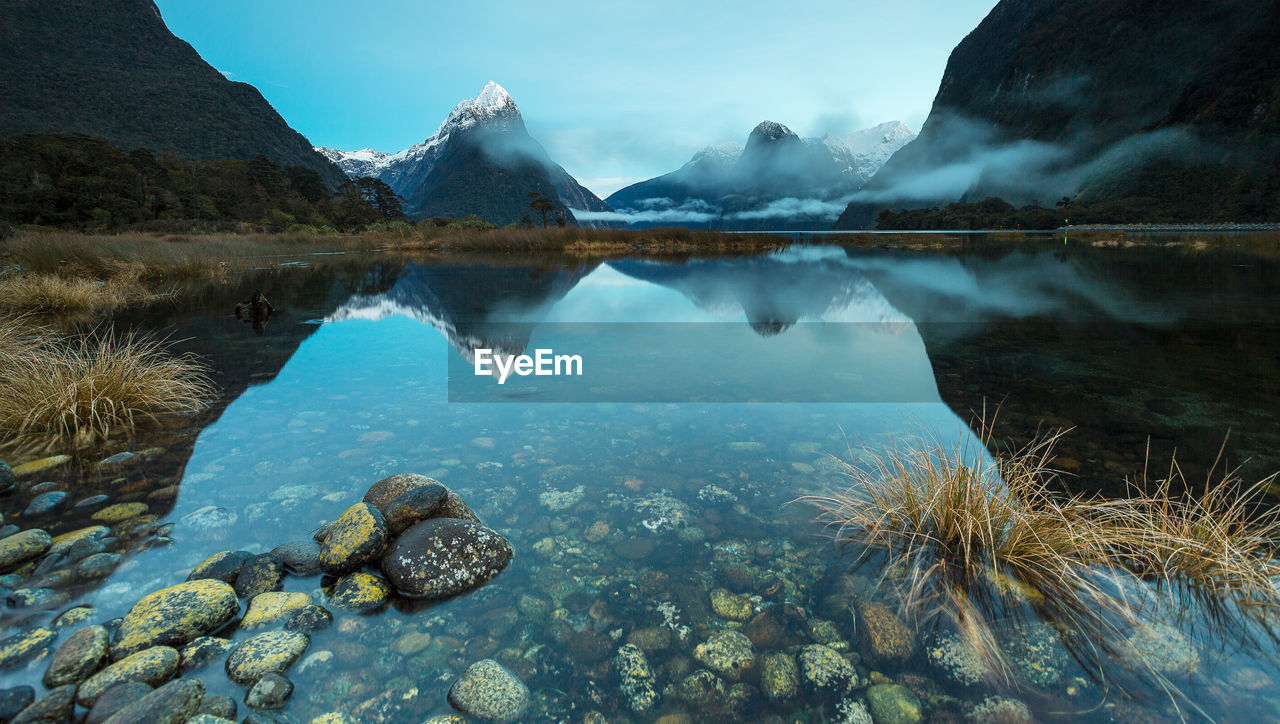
(173, 703)
(36, 598)
(98, 565)
(271, 607)
(119, 458)
(119, 512)
(381, 493)
(455, 507)
(22, 547)
(222, 566)
(486, 690)
(84, 548)
(356, 538)
(24, 646)
(15, 700)
(413, 506)
(894, 704)
(300, 557)
(310, 618)
(360, 592)
(151, 666)
(8, 530)
(443, 557)
(266, 653)
(116, 698)
(262, 573)
(219, 706)
(203, 650)
(175, 615)
(44, 487)
(36, 466)
(78, 657)
(45, 504)
(56, 706)
(7, 478)
(65, 542)
(211, 520)
(73, 617)
(269, 692)
(91, 501)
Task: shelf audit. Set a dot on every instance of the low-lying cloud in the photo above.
(698, 211)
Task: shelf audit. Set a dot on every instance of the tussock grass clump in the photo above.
(53, 294)
(79, 389)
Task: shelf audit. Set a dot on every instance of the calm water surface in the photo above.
(648, 501)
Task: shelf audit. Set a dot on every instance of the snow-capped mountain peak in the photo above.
(492, 102)
(864, 152)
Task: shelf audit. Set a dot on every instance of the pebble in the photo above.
(309, 618)
(45, 503)
(487, 690)
(174, 703)
(98, 565)
(269, 692)
(151, 666)
(219, 706)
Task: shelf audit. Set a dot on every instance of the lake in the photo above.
(653, 500)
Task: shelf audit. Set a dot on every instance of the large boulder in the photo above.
(175, 615)
(445, 556)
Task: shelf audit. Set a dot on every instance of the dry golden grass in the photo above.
(53, 294)
(78, 390)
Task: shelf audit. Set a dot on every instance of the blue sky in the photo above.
(617, 92)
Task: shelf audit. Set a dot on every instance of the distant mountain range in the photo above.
(481, 160)
(1138, 111)
(777, 181)
(112, 70)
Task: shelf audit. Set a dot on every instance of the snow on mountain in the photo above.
(864, 152)
(364, 162)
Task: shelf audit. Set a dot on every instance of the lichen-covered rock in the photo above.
(853, 711)
(728, 653)
(24, 646)
(413, 506)
(885, 638)
(1036, 651)
(37, 598)
(443, 557)
(22, 547)
(114, 699)
(261, 573)
(636, 681)
(825, 673)
(78, 657)
(360, 592)
(150, 666)
(98, 565)
(223, 566)
(267, 653)
(174, 703)
(309, 618)
(40, 465)
(300, 557)
(56, 706)
(702, 690)
(203, 650)
(1001, 710)
(487, 690)
(779, 676)
(175, 615)
(780, 626)
(730, 606)
(894, 704)
(272, 607)
(15, 699)
(954, 657)
(1163, 648)
(269, 692)
(118, 512)
(355, 538)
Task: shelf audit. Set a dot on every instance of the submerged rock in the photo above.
(119, 512)
(885, 638)
(266, 653)
(309, 618)
(222, 566)
(22, 547)
(114, 699)
(78, 657)
(24, 646)
(16, 699)
(355, 538)
(150, 666)
(954, 657)
(489, 691)
(894, 704)
(728, 653)
(204, 650)
(56, 706)
(1163, 648)
(1001, 709)
(1036, 651)
(636, 681)
(269, 692)
(730, 606)
(174, 703)
(780, 626)
(779, 676)
(260, 574)
(36, 466)
(300, 557)
(443, 557)
(825, 673)
(211, 519)
(176, 615)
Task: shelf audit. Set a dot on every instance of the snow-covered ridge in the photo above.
(864, 152)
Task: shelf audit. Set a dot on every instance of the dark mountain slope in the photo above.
(112, 70)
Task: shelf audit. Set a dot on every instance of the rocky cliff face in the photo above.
(1115, 102)
(111, 69)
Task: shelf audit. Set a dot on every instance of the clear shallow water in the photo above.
(626, 515)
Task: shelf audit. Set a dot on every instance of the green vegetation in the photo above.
(79, 389)
(986, 214)
(77, 182)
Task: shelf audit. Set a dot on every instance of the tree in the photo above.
(541, 204)
(379, 197)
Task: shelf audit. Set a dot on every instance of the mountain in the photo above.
(1136, 109)
(112, 70)
(481, 160)
(776, 181)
